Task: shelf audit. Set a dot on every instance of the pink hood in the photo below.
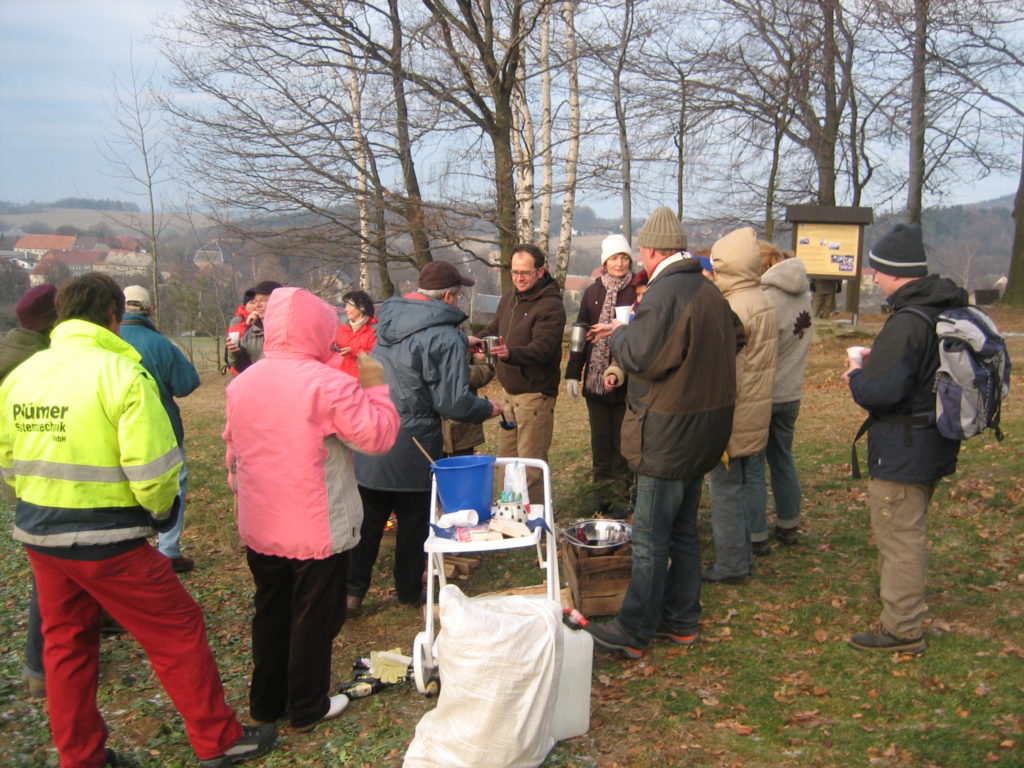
(292, 423)
(298, 324)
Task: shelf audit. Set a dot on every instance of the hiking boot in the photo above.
(687, 639)
(34, 681)
(353, 606)
(256, 740)
(610, 636)
(182, 564)
(761, 548)
(714, 578)
(787, 536)
(881, 640)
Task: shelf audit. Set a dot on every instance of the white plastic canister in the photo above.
(572, 705)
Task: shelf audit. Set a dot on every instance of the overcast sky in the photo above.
(58, 59)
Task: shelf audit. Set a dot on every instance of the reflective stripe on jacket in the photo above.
(85, 441)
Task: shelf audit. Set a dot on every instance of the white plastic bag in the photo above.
(515, 482)
(499, 659)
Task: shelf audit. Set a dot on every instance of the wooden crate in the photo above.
(598, 582)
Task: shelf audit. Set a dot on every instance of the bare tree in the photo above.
(135, 154)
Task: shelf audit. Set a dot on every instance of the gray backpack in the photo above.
(974, 372)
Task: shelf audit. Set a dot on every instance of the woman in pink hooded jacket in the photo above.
(292, 423)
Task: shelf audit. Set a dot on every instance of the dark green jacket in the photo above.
(19, 345)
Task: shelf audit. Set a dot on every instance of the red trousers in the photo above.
(140, 590)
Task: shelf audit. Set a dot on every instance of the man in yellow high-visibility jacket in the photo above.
(90, 452)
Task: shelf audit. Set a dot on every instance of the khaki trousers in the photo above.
(898, 524)
(534, 415)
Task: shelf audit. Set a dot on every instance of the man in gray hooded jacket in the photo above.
(424, 357)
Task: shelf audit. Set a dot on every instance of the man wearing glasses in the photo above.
(529, 323)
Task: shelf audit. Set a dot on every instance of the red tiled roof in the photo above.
(73, 257)
(49, 242)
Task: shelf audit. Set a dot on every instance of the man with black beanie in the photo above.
(906, 454)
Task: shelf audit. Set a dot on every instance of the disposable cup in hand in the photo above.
(459, 518)
(234, 336)
(622, 314)
(856, 354)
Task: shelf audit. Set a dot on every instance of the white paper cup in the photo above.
(856, 354)
(622, 314)
(459, 518)
(234, 336)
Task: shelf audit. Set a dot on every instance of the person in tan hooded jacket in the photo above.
(736, 258)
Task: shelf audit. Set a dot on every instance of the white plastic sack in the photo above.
(499, 660)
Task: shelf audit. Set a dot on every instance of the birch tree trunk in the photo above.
(572, 156)
(918, 94)
(547, 151)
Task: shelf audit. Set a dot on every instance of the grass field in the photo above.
(772, 683)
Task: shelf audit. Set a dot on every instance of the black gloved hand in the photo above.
(165, 522)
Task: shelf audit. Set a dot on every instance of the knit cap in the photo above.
(900, 253)
(36, 310)
(662, 232)
(614, 245)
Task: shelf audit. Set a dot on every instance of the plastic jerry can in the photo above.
(572, 705)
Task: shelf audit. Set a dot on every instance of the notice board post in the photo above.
(829, 240)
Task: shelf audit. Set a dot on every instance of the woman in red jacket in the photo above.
(359, 335)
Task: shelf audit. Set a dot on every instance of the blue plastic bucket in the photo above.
(466, 482)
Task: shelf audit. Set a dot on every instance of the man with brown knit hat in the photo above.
(680, 354)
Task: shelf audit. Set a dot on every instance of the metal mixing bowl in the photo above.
(598, 534)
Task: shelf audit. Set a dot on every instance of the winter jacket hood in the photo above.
(298, 324)
(737, 261)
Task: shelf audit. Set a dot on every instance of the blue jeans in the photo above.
(785, 482)
(169, 542)
(664, 591)
(733, 556)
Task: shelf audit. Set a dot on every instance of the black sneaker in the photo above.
(110, 758)
(256, 740)
(881, 640)
(610, 636)
(761, 548)
(787, 536)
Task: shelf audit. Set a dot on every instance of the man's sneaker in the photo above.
(353, 606)
(610, 636)
(256, 740)
(761, 548)
(788, 536)
(678, 639)
(182, 564)
(110, 758)
(881, 640)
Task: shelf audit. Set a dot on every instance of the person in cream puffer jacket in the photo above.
(736, 258)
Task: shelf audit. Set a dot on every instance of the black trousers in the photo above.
(412, 508)
(300, 609)
(611, 472)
